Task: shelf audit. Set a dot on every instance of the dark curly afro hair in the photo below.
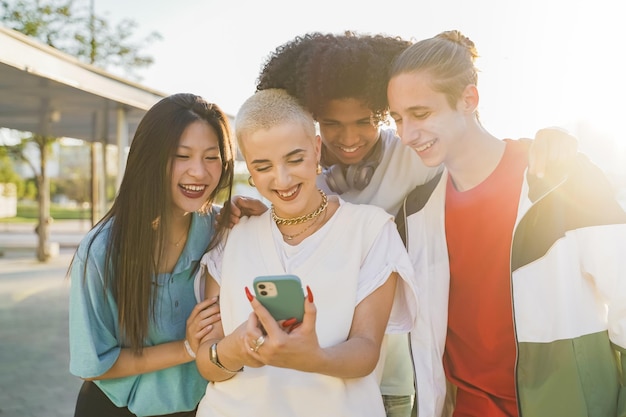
(316, 68)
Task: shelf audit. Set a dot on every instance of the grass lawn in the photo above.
(29, 214)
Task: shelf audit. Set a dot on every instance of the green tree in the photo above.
(76, 189)
(74, 28)
(7, 172)
(29, 191)
(42, 181)
(74, 173)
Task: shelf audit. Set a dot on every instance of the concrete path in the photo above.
(34, 350)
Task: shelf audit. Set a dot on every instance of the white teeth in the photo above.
(425, 146)
(349, 150)
(289, 194)
(194, 187)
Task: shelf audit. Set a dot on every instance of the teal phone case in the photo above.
(282, 295)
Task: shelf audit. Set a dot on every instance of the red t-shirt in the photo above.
(480, 348)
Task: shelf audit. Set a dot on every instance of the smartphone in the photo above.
(281, 295)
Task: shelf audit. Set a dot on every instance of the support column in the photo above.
(123, 143)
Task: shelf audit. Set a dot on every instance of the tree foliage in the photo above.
(7, 172)
(71, 27)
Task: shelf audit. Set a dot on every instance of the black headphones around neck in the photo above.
(341, 178)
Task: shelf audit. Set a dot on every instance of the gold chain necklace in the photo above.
(313, 223)
(155, 225)
(179, 240)
(302, 219)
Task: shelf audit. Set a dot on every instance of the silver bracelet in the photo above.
(189, 350)
(216, 360)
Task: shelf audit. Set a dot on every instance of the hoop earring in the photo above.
(251, 181)
(318, 170)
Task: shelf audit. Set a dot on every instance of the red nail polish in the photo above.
(249, 294)
(290, 322)
(309, 294)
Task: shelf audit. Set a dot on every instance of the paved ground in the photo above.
(19, 239)
(34, 356)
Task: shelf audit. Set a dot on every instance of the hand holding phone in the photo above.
(281, 295)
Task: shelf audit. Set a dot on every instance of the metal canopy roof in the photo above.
(45, 91)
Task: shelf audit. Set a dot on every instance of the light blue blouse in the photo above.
(95, 334)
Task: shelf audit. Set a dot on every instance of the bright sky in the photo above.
(543, 62)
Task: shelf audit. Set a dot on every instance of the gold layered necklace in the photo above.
(313, 223)
(302, 219)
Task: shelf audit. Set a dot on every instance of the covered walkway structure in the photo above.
(50, 93)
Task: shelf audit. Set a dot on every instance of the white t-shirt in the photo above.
(346, 260)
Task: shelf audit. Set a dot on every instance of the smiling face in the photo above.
(424, 119)
(347, 130)
(282, 161)
(196, 168)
